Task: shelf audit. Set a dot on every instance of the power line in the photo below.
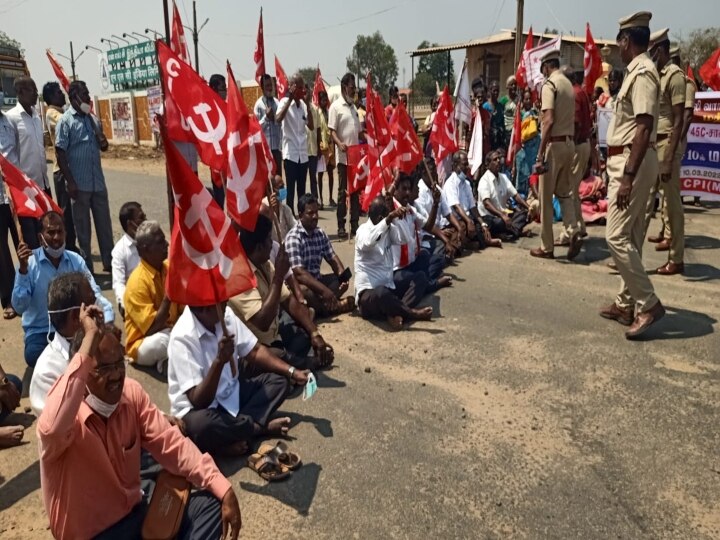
(497, 16)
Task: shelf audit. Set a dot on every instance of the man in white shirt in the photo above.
(222, 400)
(29, 154)
(494, 191)
(344, 126)
(265, 109)
(125, 256)
(66, 294)
(294, 118)
(409, 257)
(377, 294)
(458, 193)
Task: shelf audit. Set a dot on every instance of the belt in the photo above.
(617, 150)
(662, 136)
(561, 138)
(582, 141)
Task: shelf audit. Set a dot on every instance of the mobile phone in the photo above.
(345, 276)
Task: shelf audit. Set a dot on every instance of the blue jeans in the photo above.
(15, 381)
(34, 346)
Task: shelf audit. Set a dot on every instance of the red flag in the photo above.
(259, 55)
(710, 71)
(521, 73)
(515, 139)
(442, 137)
(691, 74)
(59, 72)
(592, 62)
(281, 80)
(318, 87)
(409, 149)
(178, 43)
(28, 199)
(248, 165)
(358, 167)
(207, 262)
(204, 111)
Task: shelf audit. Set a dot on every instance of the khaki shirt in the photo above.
(343, 119)
(247, 304)
(558, 95)
(672, 92)
(52, 117)
(638, 95)
(690, 90)
(312, 146)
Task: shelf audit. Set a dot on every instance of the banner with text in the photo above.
(700, 169)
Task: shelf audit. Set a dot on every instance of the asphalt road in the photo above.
(517, 413)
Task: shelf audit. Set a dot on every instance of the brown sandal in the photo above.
(9, 313)
(267, 467)
(288, 460)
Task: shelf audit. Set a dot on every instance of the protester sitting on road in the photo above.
(93, 427)
(125, 257)
(225, 402)
(10, 392)
(37, 268)
(277, 202)
(409, 257)
(459, 196)
(150, 313)
(307, 245)
(494, 191)
(67, 292)
(259, 308)
(379, 296)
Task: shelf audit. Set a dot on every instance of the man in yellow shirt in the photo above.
(149, 313)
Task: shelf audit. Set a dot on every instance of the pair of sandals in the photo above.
(274, 462)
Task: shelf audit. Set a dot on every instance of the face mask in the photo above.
(52, 252)
(99, 406)
(85, 108)
(282, 194)
(50, 326)
(310, 388)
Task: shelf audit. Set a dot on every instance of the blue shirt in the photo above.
(75, 134)
(29, 296)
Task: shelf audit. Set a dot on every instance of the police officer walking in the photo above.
(555, 157)
(669, 134)
(632, 168)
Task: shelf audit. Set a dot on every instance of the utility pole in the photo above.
(195, 39)
(72, 61)
(519, 30)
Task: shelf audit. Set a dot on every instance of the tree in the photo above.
(371, 53)
(308, 75)
(433, 68)
(7, 41)
(699, 46)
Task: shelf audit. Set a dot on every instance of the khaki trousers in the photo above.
(579, 166)
(625, 231)
(673, 215)
(557, 181)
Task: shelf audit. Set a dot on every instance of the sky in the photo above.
(310, 32)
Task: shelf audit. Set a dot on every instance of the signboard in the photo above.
(604, 116)
(134, 66)
(155, 103)
(123, 127)
(132, 52)
(700, 169)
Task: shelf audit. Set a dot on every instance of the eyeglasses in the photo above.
(107, 369)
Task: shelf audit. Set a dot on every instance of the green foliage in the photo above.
(308, 75)
(7, 41)
(371, 53)
(433, 68)
(699, 46)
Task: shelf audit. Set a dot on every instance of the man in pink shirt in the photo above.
(91, 431)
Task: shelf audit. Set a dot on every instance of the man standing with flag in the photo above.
(7, 225)
(265, 109)
(344, 125)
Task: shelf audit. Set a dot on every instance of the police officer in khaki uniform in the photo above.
(555, 156)
(632, 168)
(690, 90)
(669, 128)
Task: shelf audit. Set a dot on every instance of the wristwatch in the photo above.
(291, 372)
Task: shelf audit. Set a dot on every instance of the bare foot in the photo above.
(396, 323)
(237, 449)
(495, 242)
(444, 281)
(422, 314)
(11, 436)
(279, 426)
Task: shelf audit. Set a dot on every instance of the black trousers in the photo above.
(277, 156)
(497, 226)
(7, 268)
(380, 303)
(214, 429)
(202, 520)
(63, 200)
(312, 170)
(429, 264)
(295, 177)
(313, 299)
(342, 205)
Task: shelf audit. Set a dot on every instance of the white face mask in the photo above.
(99, 406)
(52, 252)
(50, 326)
(85, 108)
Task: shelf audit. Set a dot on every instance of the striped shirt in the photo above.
(272, 130)
(75, 134)
(308, 249)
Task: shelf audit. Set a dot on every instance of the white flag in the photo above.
(463, 112)
(475, 157)
(534, 77)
